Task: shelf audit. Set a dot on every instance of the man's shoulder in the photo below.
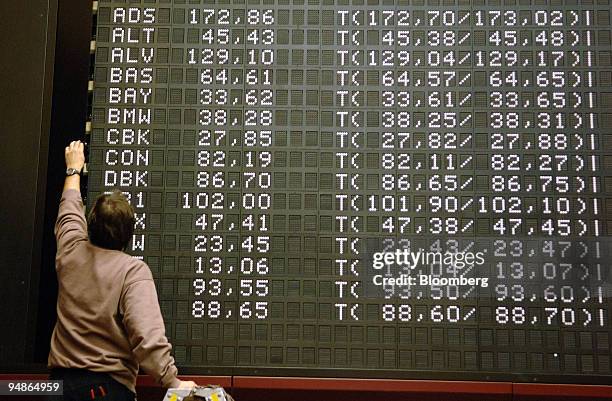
(132, 268)
(137, 270)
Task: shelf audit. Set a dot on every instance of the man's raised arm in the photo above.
(71, 225)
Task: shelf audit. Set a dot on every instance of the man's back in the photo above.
(108, 313)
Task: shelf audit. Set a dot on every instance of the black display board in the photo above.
(289, 159)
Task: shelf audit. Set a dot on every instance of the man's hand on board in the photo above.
(75, 156)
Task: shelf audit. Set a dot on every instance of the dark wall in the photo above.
(68, 116)
(27, 42)
(44, 69)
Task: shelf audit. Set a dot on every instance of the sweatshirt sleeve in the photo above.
(145, 328)
(71, 225)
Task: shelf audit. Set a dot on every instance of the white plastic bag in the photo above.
(199, 393)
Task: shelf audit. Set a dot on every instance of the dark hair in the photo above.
(111, 222)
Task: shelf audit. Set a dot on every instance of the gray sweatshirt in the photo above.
(108, 316)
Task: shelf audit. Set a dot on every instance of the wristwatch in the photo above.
(72, 171)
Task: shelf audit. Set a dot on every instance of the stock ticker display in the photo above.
(384, 185)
